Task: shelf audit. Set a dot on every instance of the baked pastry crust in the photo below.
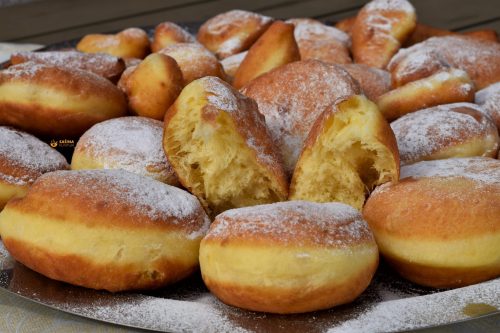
(445, 233)
(168, 33)
(105, 65)
(232, 32)
(292, 96)
(373, 81)
(349, 150)
(445, 131)
(128, 43)
(105, 229)
(381, 27)
(56, 101)
(288, 257)
(219, 146)
(129, 143)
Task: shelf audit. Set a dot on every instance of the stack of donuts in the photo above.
(281, 158)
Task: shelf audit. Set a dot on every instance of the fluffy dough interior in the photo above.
(214, 161)
(347, 160)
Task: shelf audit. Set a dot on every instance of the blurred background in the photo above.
(51, 21)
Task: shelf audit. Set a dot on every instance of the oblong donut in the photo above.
(56, 101)
(105, 229)
(24, 158)
(129, 143)
(445, 131)
(288, 257)
(440, 225)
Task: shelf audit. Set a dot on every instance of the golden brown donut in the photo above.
(129, 43)
(232, 32)
(479, 58)
(232, 63)
(445, 131)
(218, 144)
(56, 101)
(129, 143)
(167, 33)
(373, 81)
(381, 27)
(444, 87)
(489, 99)
(349, 150)
(288, 257)
(24, 158)
(291, 97)
(276, 47)
(440, 225)
(105, 229)
(101, 64)
(194, 60)
(152, 86)
(319, 41)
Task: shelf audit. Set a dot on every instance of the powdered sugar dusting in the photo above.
(292, 96)
(26, 157)
(482, 170)
(422, 311)
(312, 29)
(390, 5)
(148, 197)
(489, 99)
(425, 132)
(483, 95)
(232, 63)
(130, 143)
(220, 95)
(325, 224)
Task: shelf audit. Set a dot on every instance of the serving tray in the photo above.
(389, 304)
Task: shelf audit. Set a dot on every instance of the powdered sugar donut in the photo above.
(444, 131)
(288, 257)
(129, 143)
(105, 229)
(24, 158)
(489, 99)
(439, 226)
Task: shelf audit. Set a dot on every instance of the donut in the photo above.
(479, 58)
(129, 143)
(128, 43)
(232, 32)
(53, 101)
(232, 63)
(381, 27)
(194, 60)
(24, 158)
(489, 99)
(349, 150)
(423, 32)
(346, 24)
(288, 257)
(440, 225)
(444, 87)
(105, 229)
(445, 131)
(104, 65)
(152, 86)
(276, 47)
(292, 96)
(373, 81)
(167, 33)
(319, 41)
(218, 144)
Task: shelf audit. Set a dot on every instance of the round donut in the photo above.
(440, 225)
(479, 58)
(56, 101)
(445, 131)
(24, 158)
(129, 143)
(291, 98)
(288, 257)
(102, 64)
(194, 60)
(232, 32)
(105, 229)
(489, 99)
